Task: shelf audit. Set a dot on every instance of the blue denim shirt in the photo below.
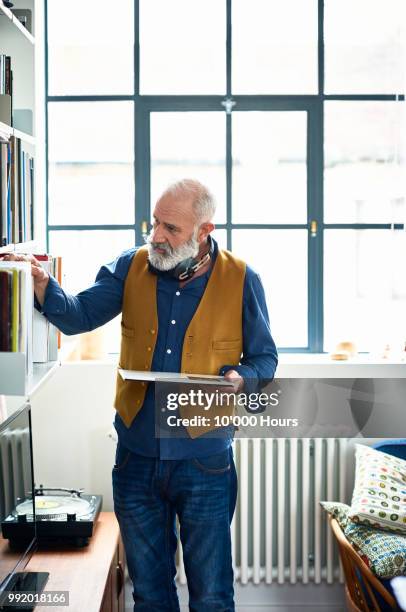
(101, 302)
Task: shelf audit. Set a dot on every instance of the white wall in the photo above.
(72, 415)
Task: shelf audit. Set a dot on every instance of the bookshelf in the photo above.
(42, 372)
(17, 382)
(26, 247)
(26, 123)
(13, 22)
(6, 131)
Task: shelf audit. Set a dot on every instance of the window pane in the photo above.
(274, 47)
(189, 145)
(91, 167)
(363, 46)
(90, 47)
(220, 235)
(79, 270)
(364, 162)
(182, 47)
(364, 288)
(264, 250)
(100, 246)
(269, 167)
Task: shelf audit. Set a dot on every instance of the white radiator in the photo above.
(279, 531)
(15, 468)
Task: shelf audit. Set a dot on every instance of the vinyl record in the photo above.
(54, 506)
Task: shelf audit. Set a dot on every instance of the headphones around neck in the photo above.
(186, 268)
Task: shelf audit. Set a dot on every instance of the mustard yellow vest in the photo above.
(213, 338)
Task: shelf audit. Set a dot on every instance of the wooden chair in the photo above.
(358, 592)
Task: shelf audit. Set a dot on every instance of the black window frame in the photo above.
(312, 104)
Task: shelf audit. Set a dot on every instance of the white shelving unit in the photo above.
(26, 50)
(6, 131)
(23, 247)
(42, 372)
(17, 382)
(15, 23)
(18, 43)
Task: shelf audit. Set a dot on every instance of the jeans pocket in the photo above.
(122, 457)
(214, 464)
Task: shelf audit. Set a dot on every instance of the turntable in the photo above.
(64, 517)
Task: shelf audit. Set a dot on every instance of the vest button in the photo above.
(152, 331)
(149, 348)
(142, 384)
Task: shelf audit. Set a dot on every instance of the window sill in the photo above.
(324, 358)
(314, 365)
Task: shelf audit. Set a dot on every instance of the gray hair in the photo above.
(204, 204)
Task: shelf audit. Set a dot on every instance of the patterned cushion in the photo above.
(383, 552)
(338, 510)
(379, 497)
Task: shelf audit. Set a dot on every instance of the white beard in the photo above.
(173, 256)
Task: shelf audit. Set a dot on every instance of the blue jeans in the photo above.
(148, 494)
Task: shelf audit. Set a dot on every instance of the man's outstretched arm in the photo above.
(91, 308)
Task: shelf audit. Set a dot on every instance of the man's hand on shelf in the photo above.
(40, 276)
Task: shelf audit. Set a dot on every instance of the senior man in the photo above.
(186, 306)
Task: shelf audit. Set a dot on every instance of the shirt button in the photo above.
(173, 321)
(177, 293)
(168, 351)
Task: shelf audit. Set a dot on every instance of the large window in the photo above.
(291, 111)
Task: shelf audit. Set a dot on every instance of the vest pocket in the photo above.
(225, 345)
(127, 331)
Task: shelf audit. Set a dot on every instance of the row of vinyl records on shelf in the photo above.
(6, 75)
(23, 329)
(16, 193)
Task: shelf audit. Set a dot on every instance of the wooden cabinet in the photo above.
(93, 575)
(113, 598)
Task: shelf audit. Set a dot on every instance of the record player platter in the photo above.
(65, 518)
(55, 507)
